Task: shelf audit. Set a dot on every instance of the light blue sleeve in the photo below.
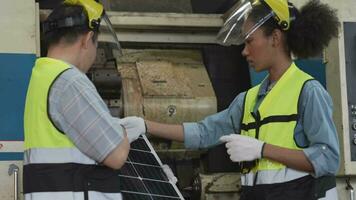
(207, 132)
(319, 128)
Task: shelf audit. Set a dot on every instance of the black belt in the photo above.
(70, 177)
(305, 188)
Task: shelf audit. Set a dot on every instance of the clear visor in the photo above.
(232, 32)
(110, 34)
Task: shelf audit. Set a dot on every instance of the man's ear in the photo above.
(87, 38)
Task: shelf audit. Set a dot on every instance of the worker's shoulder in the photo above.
(313, 85)
(71, 76)
(315, 90)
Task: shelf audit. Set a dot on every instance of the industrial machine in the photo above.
(165, 81)
(171, 71)
(340, 73)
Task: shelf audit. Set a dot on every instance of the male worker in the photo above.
(72, 143)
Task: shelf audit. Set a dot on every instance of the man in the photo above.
(72, 144)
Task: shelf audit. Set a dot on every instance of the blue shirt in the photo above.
(315, 130)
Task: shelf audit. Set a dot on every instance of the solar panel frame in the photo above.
(142, 176)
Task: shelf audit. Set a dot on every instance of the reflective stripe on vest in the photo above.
(52, 163)
(71, 196)
(277, 115)
(271, 176)
(62, 155)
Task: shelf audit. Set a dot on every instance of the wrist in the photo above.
(124, 130)
(263, 150)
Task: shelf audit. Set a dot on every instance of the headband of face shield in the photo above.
(232, 33)
(67, 22)
(95, 13)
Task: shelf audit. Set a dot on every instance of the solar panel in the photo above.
(142, 176)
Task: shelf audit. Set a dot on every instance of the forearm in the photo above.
(294, 159)
(167, 131)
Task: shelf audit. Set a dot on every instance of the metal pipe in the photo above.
(352, 195)
(14, 169)
(349, 187)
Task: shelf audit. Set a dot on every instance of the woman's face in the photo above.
(258, 49)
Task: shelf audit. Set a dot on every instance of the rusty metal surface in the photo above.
(177, 56)
(170, 86)
(163, 79)
(132, 99)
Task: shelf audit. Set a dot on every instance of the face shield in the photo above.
(232, 32)
(107, 28)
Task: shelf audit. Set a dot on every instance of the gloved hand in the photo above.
(168, 171)
(242, 148)
(134, 126)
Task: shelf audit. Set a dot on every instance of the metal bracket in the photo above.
(14, 169)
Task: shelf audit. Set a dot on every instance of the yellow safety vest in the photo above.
(39, 129)
(276, 118)
(54, 168)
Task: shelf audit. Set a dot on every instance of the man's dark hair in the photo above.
(53, 33)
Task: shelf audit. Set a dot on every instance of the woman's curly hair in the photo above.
(309, 33)
(312, 30)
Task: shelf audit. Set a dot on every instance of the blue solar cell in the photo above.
(151, 172)
(140, 144)
(160, 187)
(132, 184)
(137, 156)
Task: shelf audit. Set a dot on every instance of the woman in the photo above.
(280, 131)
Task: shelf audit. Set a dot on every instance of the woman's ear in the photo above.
(277, 37)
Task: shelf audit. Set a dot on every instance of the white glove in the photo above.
(168, 171)
(242, 148)
(134, 126)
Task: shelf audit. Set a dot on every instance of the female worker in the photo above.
(281, 131)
